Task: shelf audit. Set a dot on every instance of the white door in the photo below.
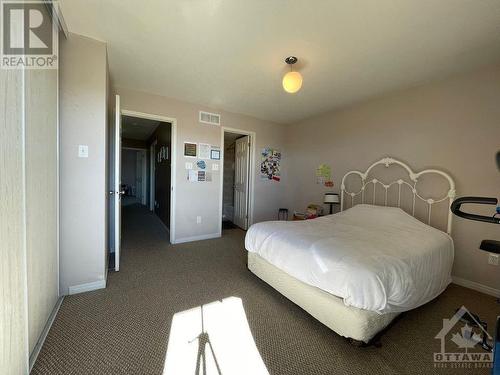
(241, 167)
(117, 191)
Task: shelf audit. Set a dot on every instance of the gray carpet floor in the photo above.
(124, 329)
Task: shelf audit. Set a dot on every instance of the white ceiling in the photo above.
(138, 128)
(229, 54)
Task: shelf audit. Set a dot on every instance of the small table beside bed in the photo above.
(357, 270)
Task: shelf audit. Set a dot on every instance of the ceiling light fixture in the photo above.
(292, 81)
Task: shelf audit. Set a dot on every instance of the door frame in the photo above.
(251, 173)
(144, 173)
(173, 187)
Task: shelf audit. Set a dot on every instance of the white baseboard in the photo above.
(197, 238)
(45, 332)
(88, 287)
(476, 286)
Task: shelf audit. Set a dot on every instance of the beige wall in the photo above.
(83, 187)
(453, 125)
(203, 199)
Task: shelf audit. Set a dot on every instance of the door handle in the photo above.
(111, 192)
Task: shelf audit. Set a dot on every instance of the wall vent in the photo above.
(209, 118)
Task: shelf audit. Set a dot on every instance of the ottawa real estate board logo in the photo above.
(464, 342)
(29, 37)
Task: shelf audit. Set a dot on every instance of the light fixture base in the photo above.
(290, 60)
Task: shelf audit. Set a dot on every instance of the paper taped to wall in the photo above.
(204, 151)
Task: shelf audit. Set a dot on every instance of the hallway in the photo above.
(142, 231)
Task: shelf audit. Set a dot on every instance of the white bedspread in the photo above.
(375, 258)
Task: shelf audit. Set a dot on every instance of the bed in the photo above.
(383, 254)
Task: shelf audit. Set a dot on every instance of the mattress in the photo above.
(374, 258)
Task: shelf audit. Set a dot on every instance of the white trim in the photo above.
(197, 238)
(117, 181)
(58, 15)
(87, 287)
(58, 177)
(476, 286)
(173, 151)
(45, 332)
(251, 173)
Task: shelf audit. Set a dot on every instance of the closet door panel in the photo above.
(41, 198)
(13, 335)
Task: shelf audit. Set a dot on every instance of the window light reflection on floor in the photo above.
(213, 339)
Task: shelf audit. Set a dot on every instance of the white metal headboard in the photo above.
(365, 181)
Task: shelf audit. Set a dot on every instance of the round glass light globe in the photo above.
(292, 82)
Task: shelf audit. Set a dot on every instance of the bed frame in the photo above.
(359, 325)
(412, 185)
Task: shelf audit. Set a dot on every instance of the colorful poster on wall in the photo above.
(270, 164)
(324, 175)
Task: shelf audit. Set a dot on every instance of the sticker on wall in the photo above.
(201, 164)
(270, 164)
(190, 149)
(204, 150)
(215, 153)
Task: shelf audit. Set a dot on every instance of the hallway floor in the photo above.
(125, 328)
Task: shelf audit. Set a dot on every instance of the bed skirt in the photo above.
(351, 322)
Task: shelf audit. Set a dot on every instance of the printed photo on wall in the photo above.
(190, 149)
(270, 164)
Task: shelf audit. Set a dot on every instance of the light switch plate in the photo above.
(83, 151)
(215, 166)
(189, 165)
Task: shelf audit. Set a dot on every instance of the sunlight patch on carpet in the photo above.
(214, 338)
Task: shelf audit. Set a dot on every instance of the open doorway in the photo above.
(146, 160)
(236, 181)
(142, 171)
